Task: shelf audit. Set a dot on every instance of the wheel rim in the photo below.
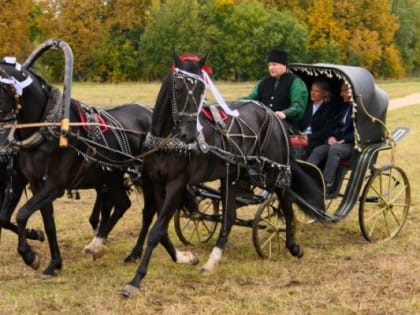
(268, 229)
(384, 204)
(191, 227)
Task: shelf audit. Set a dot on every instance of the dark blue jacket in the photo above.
(342, 129)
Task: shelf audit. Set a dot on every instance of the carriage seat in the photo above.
(298, 144)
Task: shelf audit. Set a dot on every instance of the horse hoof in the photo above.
(130, 259)
(46, 276)
(129, 291)
(300, 255)
(297, 251)
(41, 235)
(186, 258)
(95, 254)
(87, 251)
(36, 263)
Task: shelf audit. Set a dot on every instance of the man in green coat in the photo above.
(282, 91)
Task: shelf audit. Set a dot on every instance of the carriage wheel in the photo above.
(268, 228)
(384, 204)
(192, 227)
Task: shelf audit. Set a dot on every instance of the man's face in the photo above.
(276, 69)
(345, 93)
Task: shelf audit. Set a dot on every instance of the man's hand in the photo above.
(332, 140)
(281, 115)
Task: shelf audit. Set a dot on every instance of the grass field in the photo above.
(340, 272)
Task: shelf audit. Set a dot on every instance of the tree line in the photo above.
(130, 40)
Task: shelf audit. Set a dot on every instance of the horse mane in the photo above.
(160, 118)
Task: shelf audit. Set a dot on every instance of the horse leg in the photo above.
(148, 213)
(39, 200)
(286, 204)
(228, 217)
(101, 209)
(12, 195)
(154, 238)
(47, 213)
(159, 230)
(122, 202)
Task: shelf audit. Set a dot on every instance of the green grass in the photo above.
(340, 273)
(400, 88)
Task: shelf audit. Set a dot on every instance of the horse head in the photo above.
(187, 94)
(23, 97)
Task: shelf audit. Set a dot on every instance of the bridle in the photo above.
(190, 82)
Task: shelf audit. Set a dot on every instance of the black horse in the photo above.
(100, 151)
(253, 146)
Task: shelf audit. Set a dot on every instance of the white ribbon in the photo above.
(219, 98)
(18, 85)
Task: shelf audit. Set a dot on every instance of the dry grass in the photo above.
(339, 274)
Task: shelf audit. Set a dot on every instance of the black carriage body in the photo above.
(371, 102)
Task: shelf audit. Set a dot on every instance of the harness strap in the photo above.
(82, 169)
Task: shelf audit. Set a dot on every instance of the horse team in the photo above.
(171, 147)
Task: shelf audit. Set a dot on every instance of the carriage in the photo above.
(370, 178)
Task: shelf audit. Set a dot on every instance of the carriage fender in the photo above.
(307, 185)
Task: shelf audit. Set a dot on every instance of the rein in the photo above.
(71, 124)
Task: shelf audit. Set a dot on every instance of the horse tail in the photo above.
(307, 192)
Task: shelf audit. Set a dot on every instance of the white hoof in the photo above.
(215, 257)
(96, 248)
(129, 291)
(186, 257)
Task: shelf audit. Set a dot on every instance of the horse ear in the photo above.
(176, 58)
(203, 60)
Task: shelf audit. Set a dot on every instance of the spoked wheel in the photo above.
(384, 204)
(197, 227)
(268, 229)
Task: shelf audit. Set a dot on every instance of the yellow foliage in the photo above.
(365, 48)
(15, 29)
(225, 3)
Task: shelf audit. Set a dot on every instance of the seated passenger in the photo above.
(284, 92)
(322, 114)
(339, 144)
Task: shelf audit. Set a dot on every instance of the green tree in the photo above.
(251, 31)
(172, 25)
(117, 58)
(407, 38)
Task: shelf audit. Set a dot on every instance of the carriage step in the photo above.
(399, 133)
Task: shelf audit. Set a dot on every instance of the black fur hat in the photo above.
(277, 55)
